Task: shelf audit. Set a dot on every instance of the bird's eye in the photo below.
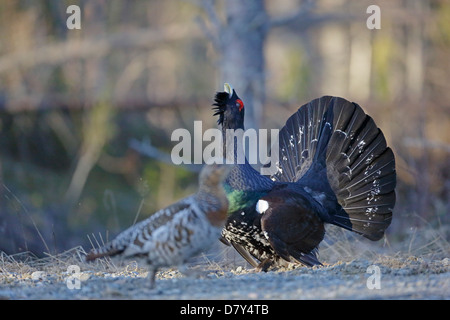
(239, 104)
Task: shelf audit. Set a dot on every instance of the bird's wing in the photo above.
(133, 238)
(291, 233)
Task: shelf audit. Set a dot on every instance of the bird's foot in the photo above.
(264, 265)
(151, 279)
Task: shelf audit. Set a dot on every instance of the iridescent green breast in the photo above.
(241, 200)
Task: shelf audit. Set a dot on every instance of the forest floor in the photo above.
(66, 276)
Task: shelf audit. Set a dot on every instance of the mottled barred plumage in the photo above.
(334, 167)
(174, 234)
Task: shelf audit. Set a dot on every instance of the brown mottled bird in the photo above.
(174, 234)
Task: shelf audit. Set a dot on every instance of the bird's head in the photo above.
(229, 108)
(212, 175)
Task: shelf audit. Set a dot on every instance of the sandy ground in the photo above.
(384, 277)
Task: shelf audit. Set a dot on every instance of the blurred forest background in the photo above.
(86, 115)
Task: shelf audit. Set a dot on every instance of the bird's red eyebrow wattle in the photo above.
(241, 104)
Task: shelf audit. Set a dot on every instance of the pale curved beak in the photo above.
(228, 89)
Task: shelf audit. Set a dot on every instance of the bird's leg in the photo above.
(264, 265)
(152, 277)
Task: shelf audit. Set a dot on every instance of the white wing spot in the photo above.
(262, 206)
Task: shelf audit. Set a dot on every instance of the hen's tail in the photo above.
(106, 251)
(115, 246)
(336, 151)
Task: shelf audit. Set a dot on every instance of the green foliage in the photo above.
(442, 32)
(383, 53)
(296, 77)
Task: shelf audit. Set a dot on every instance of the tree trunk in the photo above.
(241, 46)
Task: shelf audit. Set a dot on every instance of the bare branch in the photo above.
(100, 46)
(74, 102)
(426, 144)
(147, 149)
(211, 31)
(305, 17)
(208, 6)
(304, 11)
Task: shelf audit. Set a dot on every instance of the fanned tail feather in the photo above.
(298, 140)
(360, 168)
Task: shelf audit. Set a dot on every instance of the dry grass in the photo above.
(419, 251)
(426, 242)
(26, 266)
(339, 246)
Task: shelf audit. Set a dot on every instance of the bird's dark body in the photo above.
(334, 167)
(244, 228)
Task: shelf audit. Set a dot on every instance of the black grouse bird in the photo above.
(334, 167)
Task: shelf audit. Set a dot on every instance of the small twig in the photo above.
(101, 239)
(90, 241)
(146, 148)
(95, 238)
(138, 212)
